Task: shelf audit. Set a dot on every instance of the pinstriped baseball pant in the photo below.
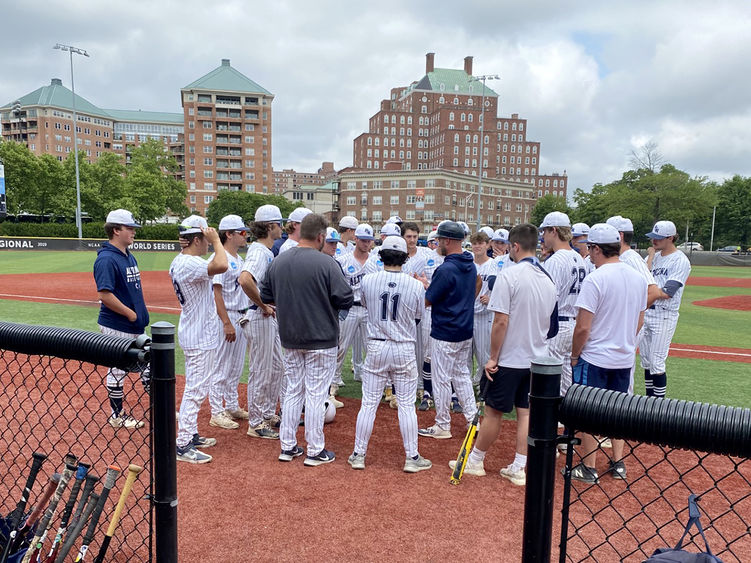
(357, 320)
(559, 347)
(198, 369)
(483, 324)
(388, 361)
(228, 366)
(309, 374)
(657, 332)
(449, 365)
(265, 367)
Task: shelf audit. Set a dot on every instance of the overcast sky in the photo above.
(594, 79)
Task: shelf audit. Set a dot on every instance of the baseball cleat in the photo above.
(516, 476)
(334, 401)
(202, 442)
(238, 414)
(413, 465)
(223, 421)
(426, 403)
(455, 406)
(263, 431)
(436, 432)
(289, 455)
(125, 421)
(192, 455)
(274, 421)
(477, 469)
(357, 461)
(324, 456)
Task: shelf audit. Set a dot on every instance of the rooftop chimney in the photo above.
(468, 65)
(429, 62)
(56, 82)
(225, 62)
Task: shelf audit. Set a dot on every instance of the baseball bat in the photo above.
(36, 464)
(133, 471)
(461, 459)
(88, 487)
(72, 536)
(109, 481)
(36, 544)
(83, 468)
(36, 513)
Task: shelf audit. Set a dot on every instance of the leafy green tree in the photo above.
(46, 199)
(245, 204)
(107, 177)
(733, 221)
(546, 204)
(21, 176)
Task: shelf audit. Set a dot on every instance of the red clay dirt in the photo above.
(719, 282)
(732, 302)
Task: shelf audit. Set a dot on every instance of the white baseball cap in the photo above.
(268, 213)
(602, 233)
(464, 227)
(391, 229)
(298, 214)
(348, 222)
(232, 223)
(555, 219)
(192, 224)
(332, 235)
(500, 235)
(488, 231)
(393, 243)
(663, 229)
(621, 224)
(121, 217)
(395, 219)
(432, 235)
(364, 232)
(579, 229)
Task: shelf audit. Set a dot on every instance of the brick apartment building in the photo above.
(288, 179)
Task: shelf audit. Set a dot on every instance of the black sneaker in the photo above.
(201, 442)
(618, 468)
(324, 456)
(583, 473)
(289, 455)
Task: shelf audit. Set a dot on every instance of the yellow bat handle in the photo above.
(133, 471)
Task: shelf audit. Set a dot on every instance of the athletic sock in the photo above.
(476, 456)
(116, 399)
(520, 462)
(648, 383)
(659, 383)
(427, 382)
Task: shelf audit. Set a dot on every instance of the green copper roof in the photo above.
(139, 116)
(453, 81)
(224, 78)
(59, 96)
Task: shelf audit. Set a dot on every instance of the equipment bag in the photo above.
(677, 554)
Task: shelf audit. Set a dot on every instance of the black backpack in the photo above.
(677, 554)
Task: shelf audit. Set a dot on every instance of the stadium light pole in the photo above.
(77, 51)
(482, 79)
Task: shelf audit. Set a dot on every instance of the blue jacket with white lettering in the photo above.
(118, 273)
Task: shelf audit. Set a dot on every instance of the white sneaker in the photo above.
(125, 421)
(477, 469)
(436, 432)
(334, 401)
(606, 443)
(223, 421)
(238, 414)
(516, 476)
(415, 465)
(192, 455)
(357, 461)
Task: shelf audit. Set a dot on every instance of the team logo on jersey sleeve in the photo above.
(431, 262)
(351, 269)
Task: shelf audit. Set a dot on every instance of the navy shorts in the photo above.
(591, 375)
(509, 389)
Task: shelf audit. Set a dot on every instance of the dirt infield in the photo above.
(732, 302)
(720, 282)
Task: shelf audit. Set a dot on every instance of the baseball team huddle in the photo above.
(422, 317)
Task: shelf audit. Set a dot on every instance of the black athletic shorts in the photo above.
(509, 389)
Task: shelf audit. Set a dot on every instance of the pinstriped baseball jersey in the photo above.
(432, 261)
(568, 271)
(257, 261)
(673, 267)
(354, 271)
(199, 324)
(487, 272)
(415, 264)
(588, 265)
(632, 258)
(233, 295)
(287, 244)
(393, 300)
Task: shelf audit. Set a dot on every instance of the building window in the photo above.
(377, 200)
(394, 200)
(410, 214)
(351, 200)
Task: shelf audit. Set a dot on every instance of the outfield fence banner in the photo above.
(673, 450)
(32, 243)
(59, 387)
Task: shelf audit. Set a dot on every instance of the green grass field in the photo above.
(700, 380)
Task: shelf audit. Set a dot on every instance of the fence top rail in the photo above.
(674, 423)
(73, 344)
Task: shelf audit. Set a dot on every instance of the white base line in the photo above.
(710, 352)
(85, 302)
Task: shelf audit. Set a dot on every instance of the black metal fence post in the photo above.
(163, 427)
(544, 398)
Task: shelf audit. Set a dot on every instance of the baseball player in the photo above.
(293, 228)
(579, 232)
(231, 305)
(568, 271)
(522, 301)
(451, 292)
(610, 308)
(308, 290)
(670, 269)
(394, 300)
(331, 242)
(499, 246)
(347, 227)
(265, 369)
(355, 265)
(198, 329)
(483, 321)
(122, 311)
(387, 230)
(432, 261)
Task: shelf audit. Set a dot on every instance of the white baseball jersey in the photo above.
(588, 264)
(568, 271)
(233, 295)
(287, 244)
(199, 324)
(487, 271)
(394, 301)
(257, 261)
(673, 267)
(633, 259)
(354, 271)
(432, 261)
(415, 264)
